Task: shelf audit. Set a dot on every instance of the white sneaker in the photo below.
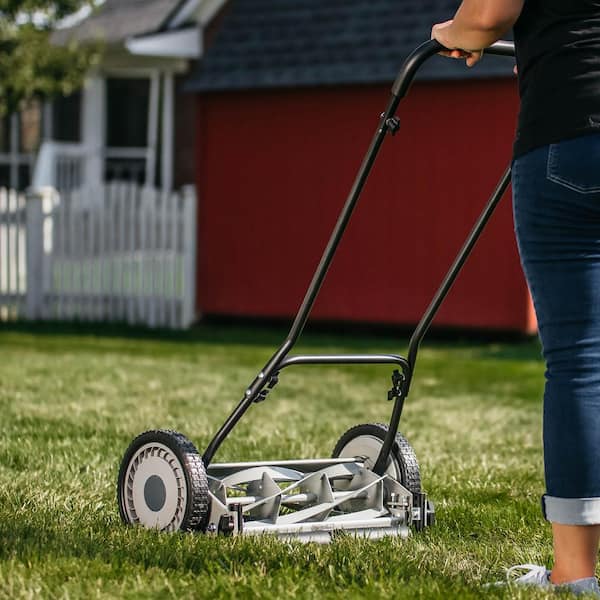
(535, 575)
(538, 576)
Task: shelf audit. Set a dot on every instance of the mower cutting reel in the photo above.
(163, 485)
(370, 487)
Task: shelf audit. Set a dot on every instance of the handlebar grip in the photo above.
(502, 48)
(427, 50)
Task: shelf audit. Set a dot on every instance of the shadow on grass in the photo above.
(499, 345)
(123, 547)
(119, 545)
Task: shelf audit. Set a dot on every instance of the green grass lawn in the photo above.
(72, 400)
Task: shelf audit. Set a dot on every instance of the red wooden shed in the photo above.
(289, 96)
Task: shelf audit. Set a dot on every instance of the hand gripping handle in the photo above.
(427, 50)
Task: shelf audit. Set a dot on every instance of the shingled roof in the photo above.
(288, 43)
(117, 20)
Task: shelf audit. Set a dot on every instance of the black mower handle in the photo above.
(268, 377)
(427, 50)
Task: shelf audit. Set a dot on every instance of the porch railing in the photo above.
(62, 165)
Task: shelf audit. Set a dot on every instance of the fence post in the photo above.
(34, 217)
(189, 246)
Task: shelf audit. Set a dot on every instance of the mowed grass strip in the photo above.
(72, 400)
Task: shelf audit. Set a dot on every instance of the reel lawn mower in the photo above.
(370, 487)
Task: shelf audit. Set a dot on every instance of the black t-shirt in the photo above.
(558, 55)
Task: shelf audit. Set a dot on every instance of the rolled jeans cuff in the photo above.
(571, 511)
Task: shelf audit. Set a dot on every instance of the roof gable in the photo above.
(117, 20)
(286, 43)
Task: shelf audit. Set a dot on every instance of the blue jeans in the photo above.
(556, 193)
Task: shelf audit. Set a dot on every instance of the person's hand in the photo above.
(441, 33)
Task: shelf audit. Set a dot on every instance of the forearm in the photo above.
(479, 23)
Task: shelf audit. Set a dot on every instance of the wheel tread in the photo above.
(197, 507)
(407, 459)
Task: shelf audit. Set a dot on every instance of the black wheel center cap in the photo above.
(155, 493)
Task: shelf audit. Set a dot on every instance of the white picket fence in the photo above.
(119, 252)
(13, 254)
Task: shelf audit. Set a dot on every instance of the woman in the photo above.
(556, 190)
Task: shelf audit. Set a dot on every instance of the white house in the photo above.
(130, 121)
(108, 230)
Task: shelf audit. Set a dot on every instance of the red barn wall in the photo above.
(275, 168)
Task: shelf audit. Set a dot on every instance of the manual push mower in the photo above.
(370, 487)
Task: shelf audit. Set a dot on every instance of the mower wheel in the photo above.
(162, 483)
(365, 441)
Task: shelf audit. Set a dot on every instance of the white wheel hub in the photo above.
(368, 447)
(155, 493)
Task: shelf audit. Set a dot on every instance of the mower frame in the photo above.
(267, 378)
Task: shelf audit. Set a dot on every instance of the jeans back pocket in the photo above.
(575, 164)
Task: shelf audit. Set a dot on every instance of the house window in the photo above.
(127, 108)
(127, 112)
(5, 135)
(66, 118)
(20, 135)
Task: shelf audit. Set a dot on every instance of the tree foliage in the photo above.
(30, 66)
